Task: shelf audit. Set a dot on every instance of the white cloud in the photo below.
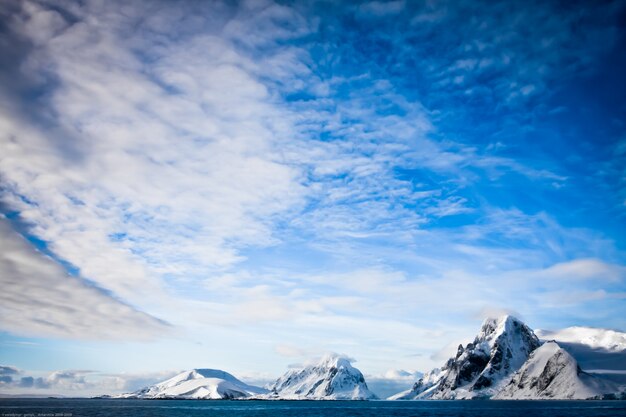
(38, 298)
(171, 153)
(586, 269)
(392, 382)
(171, 162)
(495, 311)
(290, 351)
(8, 370)
(165, 167)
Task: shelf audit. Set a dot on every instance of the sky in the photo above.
(249, 185)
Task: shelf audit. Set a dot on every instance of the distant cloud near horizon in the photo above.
(80, 383)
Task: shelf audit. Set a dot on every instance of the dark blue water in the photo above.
(183, 408)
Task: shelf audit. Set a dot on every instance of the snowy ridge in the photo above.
(209, 384)
(333, 378)
(552, 373)
(609, 340)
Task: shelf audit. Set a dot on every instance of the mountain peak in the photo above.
(480, 368)
(499, 325)
(333, 360)
(213, 373)
(331, 378)
(500, 319)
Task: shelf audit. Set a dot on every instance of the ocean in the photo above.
(193, 408)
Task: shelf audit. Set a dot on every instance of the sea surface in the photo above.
(192, 408)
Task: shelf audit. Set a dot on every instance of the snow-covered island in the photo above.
(333, 378)
(200, 384)
(506, 360)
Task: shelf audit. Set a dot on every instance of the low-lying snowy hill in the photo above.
(333, 378)
(207, 384)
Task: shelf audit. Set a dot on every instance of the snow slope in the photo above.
(333, 378)
(209, 384)
(552, 373)
(598, 351)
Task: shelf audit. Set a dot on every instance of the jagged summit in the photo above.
(493, 328)
(330, 360)
(498, 324)
(331, 378)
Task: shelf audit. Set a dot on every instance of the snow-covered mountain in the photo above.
(552, 373)
(507, 360)
(609, 340)
(205, 384)
(333, 378)
(482, 367)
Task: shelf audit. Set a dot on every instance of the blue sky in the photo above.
(245, 185)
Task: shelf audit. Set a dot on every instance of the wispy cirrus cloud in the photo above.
(115, 110)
